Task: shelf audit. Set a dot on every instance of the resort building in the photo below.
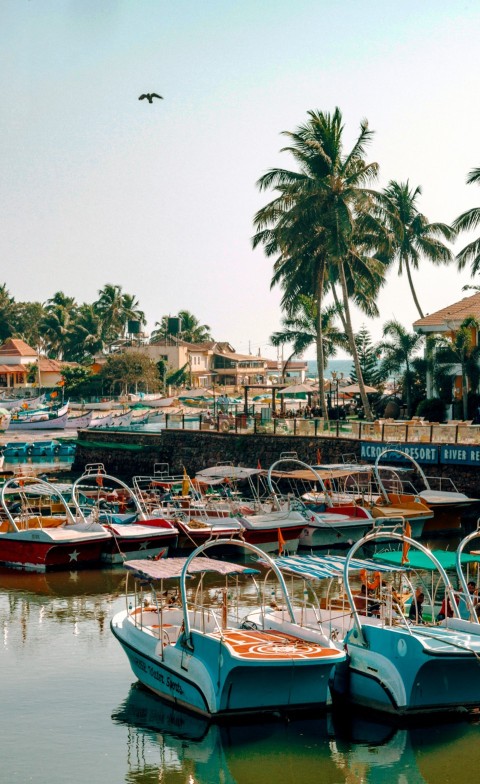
(446, 322)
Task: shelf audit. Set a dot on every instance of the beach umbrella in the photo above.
(354, 389)
(297, 389)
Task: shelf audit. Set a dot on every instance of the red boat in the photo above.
(32, 540)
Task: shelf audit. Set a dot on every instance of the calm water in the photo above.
(71, 712)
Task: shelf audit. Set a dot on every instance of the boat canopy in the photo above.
(418, 560)
(313, 475)
(227, 472)
(171, 568)
(319, 567)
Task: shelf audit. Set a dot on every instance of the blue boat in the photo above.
(204, 656)
(16, 448)
(405, 667)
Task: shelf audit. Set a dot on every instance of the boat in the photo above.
(469, 583)
(77, 422)
(161, 402)
(326, 524)
(403, 668)
(39, 421)
(438, 493)
(5, 417)
(202, 656)
(107, 500)
(16, 448)
(11, 403)
(395, 665)
(122, 420)
(100, 421)
(39, 532)
(210, 505)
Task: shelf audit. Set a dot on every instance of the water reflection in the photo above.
(167, 745)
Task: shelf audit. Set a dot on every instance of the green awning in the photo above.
(418, 560)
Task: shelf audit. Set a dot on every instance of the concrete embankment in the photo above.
(129, 454)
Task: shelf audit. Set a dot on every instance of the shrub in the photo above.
(432, 409)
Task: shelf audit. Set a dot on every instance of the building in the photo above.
(446, 322)
(20, 365)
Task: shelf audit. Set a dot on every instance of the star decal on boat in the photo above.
(144, 545)
(74, 555)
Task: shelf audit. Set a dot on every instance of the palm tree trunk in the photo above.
(339, 306)
(464, 392)
(410, 283)
(353, 348)
(320, 346)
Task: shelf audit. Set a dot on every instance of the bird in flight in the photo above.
(149, 97)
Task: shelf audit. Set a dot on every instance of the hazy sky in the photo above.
(97, 187)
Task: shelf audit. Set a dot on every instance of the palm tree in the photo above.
(468, 221)
(88, 335)
(412, 236)
(190, 328)
(314, 223)
(131, 311)
(300, 330)
(399, 354)
(60, 300)
(110, 307)
(7, 312)
(55, 328)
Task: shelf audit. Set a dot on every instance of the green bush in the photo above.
(432, 409)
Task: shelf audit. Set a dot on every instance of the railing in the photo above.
(380, 430)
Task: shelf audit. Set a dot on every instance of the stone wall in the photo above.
(128, 454)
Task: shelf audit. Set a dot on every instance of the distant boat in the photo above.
(23, 402)
(101, 421)
(77, 422)
(5, 417)
(39, 421)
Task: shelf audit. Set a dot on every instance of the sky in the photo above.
(98, 187)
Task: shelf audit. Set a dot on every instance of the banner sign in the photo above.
(460, 455)
(422, 453)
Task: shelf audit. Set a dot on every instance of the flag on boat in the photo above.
(259, 465)
(281, 541)
(185, 483)
(99, 480)
(406, 546)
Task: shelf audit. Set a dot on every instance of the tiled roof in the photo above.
(452, 315)
(17, 347)
(13, 369)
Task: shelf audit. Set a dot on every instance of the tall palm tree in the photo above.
(300, 330)
(412, 236)
(131, 311)
(7, 312)
(398, 355)
(190, 329)
(468, 221)
(60, 300)
(88, 334)
(319, 208)
(55, 328)
(110, 307)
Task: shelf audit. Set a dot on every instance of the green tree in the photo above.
(315, 221)
(461, 346)
(468, 221)
(88, 334)
(411, 235)
(368, 356)
(300, 330)
(79, 380)
(7, 313)
(129, 372)
(398, 355)
(26, 322)
(191, 330)
(116, 309)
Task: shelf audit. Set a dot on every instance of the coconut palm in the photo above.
(7, 312)
(131, 311)
(412, 236)
(468, 221)
(110, 307)
(313, 224)
(398, 356)
(190, 328)
(88, 336)
(300, 330)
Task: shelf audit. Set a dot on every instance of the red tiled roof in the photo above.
(17, 347)
(13, 369)
(452, 315)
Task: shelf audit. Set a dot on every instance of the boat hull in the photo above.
(395, 674)
(22, 552)
(207, 679)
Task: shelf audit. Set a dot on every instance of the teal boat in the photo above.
(206, 657)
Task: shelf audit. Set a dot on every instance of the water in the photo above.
(71, 712)
(344, 366)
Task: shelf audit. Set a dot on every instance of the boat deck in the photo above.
(251, 644)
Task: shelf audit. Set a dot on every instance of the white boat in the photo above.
(39, 421)
(206, 658)
(122, 420)
(5, 417)
(24, 402)
(105, 499)
(161, 402)
(77, 422)
(101, 421)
